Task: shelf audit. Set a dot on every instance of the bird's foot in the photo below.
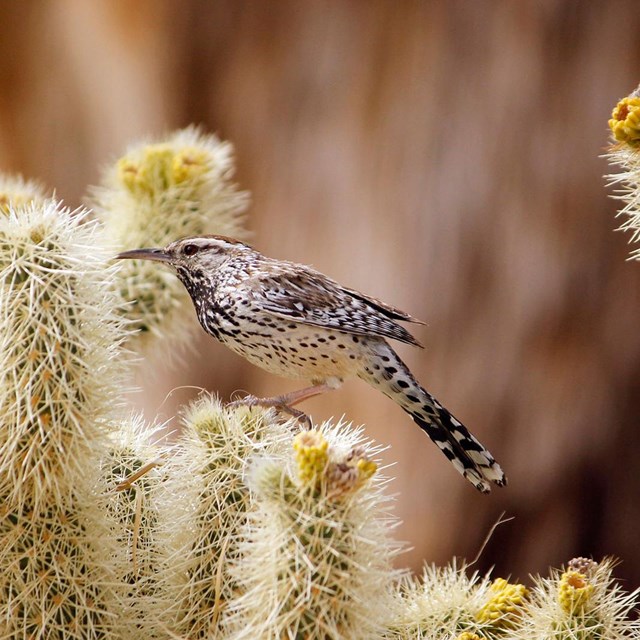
(279, 403)
(285, 402)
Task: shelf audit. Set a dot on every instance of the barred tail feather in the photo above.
(465, 452)
(386, 372)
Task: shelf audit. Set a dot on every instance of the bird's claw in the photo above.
(303, 419)
(248, 401)
(276, 403)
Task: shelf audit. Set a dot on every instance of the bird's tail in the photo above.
(386, 372)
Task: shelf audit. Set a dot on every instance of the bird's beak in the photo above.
(159, 255)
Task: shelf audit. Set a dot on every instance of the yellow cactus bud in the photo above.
(188, 164)
(162, 167)
(625, 120)
(366, 468)
(574, 591)
(311, 449)
(504, 605)
(127, 173)
(149, 175)
(469, 635)
(155, 168)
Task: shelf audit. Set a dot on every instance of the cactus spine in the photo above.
(315, 559)
(61, 370)
(582, 602)
(202, 508)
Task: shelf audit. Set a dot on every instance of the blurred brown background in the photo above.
(443, 156)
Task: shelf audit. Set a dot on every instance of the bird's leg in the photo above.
(286, 401)
(296, 397)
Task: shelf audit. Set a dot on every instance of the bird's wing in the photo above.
(306, 296)
(383, 307)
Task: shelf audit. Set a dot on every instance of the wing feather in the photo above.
(306, 296)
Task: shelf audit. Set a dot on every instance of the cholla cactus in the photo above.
(203, 506)
(315, 560)
(583, 602)
(446, 603)
(625, 152)
(156, 193)
(60, 334)
(132, 505)
(60, 370)
(293, 545)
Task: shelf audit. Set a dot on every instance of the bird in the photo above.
(296, 322)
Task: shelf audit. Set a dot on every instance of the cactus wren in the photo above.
(294, 321)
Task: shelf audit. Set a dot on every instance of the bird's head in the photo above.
(194, 253)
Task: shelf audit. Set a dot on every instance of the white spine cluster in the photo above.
(315, 559)
(158, 192)
(583, 601)
(445, 604)
(61, 368)
(203, 507)
(133, 473)
(627, 182)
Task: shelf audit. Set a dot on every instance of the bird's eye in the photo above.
(190, 249)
